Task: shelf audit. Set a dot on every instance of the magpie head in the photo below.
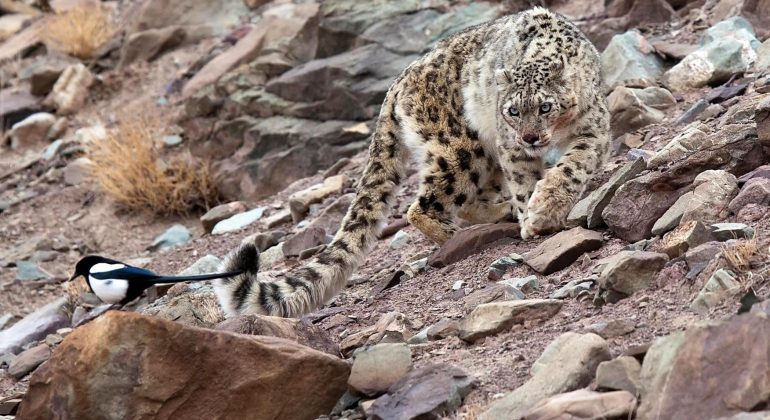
(83, 267)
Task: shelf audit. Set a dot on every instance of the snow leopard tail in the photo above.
(306, 288)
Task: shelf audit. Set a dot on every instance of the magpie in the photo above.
(116, 282)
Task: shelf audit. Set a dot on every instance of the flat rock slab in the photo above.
(562, 249)
(429, 392)
(472, 240)
(124, 365)
(584, 404)
(492, 318)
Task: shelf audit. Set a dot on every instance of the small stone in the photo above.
(238, 222)
(491, 318)
(204, 265)
(719, 287)
(53, 339)
(419, 338)
(613, 328)
(28, 360)
(77, 171)
(686, 236)
(271, 257)
(458, 284)
(630, 271)
(498, 292)
(51, 150)
(702, 254)
(562, 249)
(433, 391)
(279, 218)
(71, 89)
(299, 202)
(5, 320)
(265, 240)
(472, 240)
(726, 231)
(573, 288)
(693, 112)
(175, 235)
(619, 374)
(525, 284)
(305, 239)
(444, 328)
(400, 240)
(379, 367)
(221, 212)
(172, 140)
(30, 271)
(32, 130)
(35, 326)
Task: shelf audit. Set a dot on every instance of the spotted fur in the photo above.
(478, 113)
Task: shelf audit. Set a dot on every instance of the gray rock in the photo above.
(613, 328)
(51, 150)
(630, 57)
(432, 391)
(763, 56)
(693, 112)
(619, 374)
(585, 404)
(568, 363)
(29, 271)
(77, 171)
(238, 222)
(491, 318)
(629, 112)
(693, 137)
(302, 240)
(377, 368)
(444, 328)
(525, 284)
(271, 256)
(726, 231)
(497, 292)
(500, 266)
(32, 130)
(204, 265)
(600, 198)
(35, 326)
(265, 240)
(221, 212)
(727, 49)
(714, 189)
(673, 215)
(573, 288)
(630, 271)
(719, 287)
(400, 240)
(175, 235)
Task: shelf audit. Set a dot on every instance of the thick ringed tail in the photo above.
(304, 289)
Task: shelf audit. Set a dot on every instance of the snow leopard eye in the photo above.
(545, 108)
(513, 111)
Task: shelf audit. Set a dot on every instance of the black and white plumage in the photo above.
(116, 282)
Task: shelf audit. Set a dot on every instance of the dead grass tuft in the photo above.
(80, 32)
(742, 255)
(128, 167)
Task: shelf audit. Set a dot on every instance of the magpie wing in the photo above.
(126, 273)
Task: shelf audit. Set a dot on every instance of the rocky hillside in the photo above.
(166, 132)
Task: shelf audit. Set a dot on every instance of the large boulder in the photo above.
(629, 57)
(708, 371)
(124, 365)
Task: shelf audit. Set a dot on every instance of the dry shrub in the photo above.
(742, 255)
(80, 32)
(128, 167)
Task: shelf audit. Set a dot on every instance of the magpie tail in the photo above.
(212, 276)
(306, 288)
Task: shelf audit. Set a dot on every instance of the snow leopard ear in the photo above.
(502, 77)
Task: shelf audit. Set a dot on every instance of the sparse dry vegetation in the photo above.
(128, 167)
(80, 32)
(741, 255)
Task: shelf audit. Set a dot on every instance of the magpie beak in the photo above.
(116, 282)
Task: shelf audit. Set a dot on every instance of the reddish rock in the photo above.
(755, 191)
(708, 371)
(124, 365)
(584, 404)
(28, 360)
(762, 118)
(562, 249)
(221, 212)
(302, 240)
(472, 240)
(640, 202)
(301, 331)
(393, 227)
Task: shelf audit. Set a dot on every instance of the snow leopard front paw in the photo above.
(547, 212)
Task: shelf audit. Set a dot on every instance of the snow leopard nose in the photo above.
(530, 138)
